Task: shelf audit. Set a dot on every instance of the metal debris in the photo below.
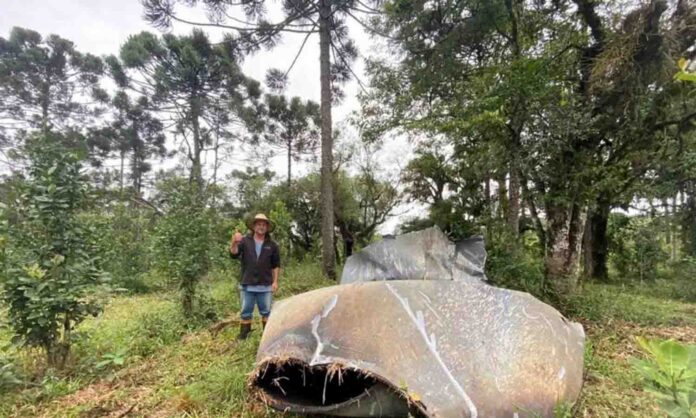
(454, 347)
(422, 255)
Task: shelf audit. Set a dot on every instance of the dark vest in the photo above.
(258, 271)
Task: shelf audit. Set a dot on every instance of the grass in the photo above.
(175, 368)
(613, 316)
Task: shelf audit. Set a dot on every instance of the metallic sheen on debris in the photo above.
(414, 328)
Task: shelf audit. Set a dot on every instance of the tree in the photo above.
(292, 127)
(135, 133)
(304, 205)
(363, 203)
(427, 177)
(325, 17)
(251, 191)
(494, 82)
(188, 77)
(47, 277)
(522, 80)
(636, 105)
(183, 237)
(46, 83)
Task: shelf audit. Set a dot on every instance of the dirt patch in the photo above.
(685, 334)
(117, 397)
(103, 400)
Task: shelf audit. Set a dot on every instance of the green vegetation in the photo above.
(49, 272)
(174, 369)
(562, 131)
(169, 366)
(670, 373)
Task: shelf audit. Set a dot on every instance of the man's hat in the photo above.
(260, 217)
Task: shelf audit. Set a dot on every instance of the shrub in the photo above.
(114, 359)
(183, 238)
(634, 248)
(280, 215)
(123, 240)
(516, 268)
(670, 374)
(45, 282)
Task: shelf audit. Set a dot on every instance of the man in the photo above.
(260, 258)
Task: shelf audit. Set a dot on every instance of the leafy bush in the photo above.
(518, 269)
(634, 248)
(46, 281)
(183, 238)
(222, 230)
(122, 238)
(280, 215)
(670, 374)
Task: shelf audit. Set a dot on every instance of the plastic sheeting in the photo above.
(388, 343)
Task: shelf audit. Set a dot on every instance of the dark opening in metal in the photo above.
(298, 387)
(300, 384)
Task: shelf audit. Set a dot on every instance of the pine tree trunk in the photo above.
(45, 100)
(137, 161)
(289, 164)
(514, 128)
(196, 167)
(673, 229)
(327, 207)
(123, 159)
(487, 194)
(488, 219)
(216, 151)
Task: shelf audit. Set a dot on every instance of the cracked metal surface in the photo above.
(456, 347)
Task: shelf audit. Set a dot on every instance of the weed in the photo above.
(117, 358)
(670, 374)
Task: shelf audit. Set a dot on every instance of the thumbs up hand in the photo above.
(237, 237)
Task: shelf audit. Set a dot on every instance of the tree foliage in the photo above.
(46, 83)
(561, 118)
(183, 238)
(135, 135)
(292, 126)
(49, 269)
(336, 54)
(190, 77)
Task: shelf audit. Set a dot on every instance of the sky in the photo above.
(101, 26)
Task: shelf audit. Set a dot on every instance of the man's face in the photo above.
(261, 227)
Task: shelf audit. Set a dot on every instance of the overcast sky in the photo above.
(101, 26)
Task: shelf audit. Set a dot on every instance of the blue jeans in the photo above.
(262, 299)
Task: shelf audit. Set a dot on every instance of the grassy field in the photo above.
(175, 370)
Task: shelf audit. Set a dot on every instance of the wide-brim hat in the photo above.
(260, 217)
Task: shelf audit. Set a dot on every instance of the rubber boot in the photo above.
(263, 323)
(244, 330)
